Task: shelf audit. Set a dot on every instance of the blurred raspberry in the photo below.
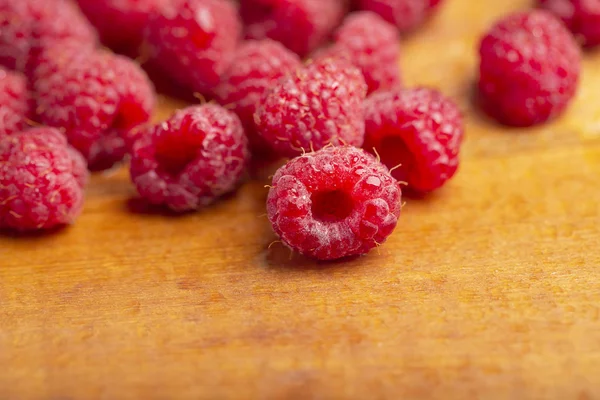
(582, 17)
(15, 102)
(407, 15)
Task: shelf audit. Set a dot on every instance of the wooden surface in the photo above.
(488, 289)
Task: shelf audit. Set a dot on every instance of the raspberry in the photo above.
(301, 25)
(14, 99)
(27, 26)
(372, 45)
(194, 42)
(582, 17)
(333, 203)
(316, 106)
(407, 15)
(417, 133)
(256, 66)
(95, 97)
(190, 160)
(121, 23)
(529, 68)
(41, 180)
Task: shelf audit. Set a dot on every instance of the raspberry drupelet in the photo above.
(417, 133)
(407, 15)
(372, 45)
(257, 65)
(334, 203)
(301, 25)
(193, 41)
(15, 102)
(582, 17)
(41, 180)
(529, 68)
(95, 97)
(317, 105)
(28, 26)
(190, 160)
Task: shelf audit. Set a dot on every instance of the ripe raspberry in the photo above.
(41, 180)
(121, 23)
(14, 101)
(301, 25)
(189, 161)
(407, 15)
(27, 26)
(316, 106)
(582, 17)
(256, 66)
(372, 45)
(194, 41)
(95, 97)
(333, 203)
(418, 129)
(529, 68)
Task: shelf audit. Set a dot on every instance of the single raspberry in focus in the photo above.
(41, 180)
(257, 66)
(95, 97)
(372, 45)
(14, 102)
(319, 104)
(529, 68)
(417, 133)
(301, 25)
(121, 23)
(407, 15)
(582, 17)
(194, 41)
(188, 161)
(28, 26)
(334, 203)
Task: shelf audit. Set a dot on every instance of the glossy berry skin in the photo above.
(257, 66)
(582, 17)
(95, 97)
(28, 26)
(319, 104)
(372, 45)
(300, 25)
(406, 15)
(417, 133)
(121, 23)
(15, 102)
(336, 202)
(194, 41)
(190, 160)
(41, 180)
(529, 69)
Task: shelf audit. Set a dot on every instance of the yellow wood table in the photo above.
(488, 289)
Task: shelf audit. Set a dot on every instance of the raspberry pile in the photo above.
(353, 135)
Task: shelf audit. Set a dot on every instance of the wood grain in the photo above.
(489, 289)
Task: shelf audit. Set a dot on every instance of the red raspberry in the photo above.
(189, 161)
(372, 45)
(27, 26)
(95, 97)
(417, 133)
(195, 41)
(41, 180)
(316, 106)
(121, 23)
(334, 203)
(256, 66)
(14, 99)
(529, 68)
(582, 17)
(301, 25)
(407, 15)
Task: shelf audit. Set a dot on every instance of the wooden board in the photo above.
(488, 289)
